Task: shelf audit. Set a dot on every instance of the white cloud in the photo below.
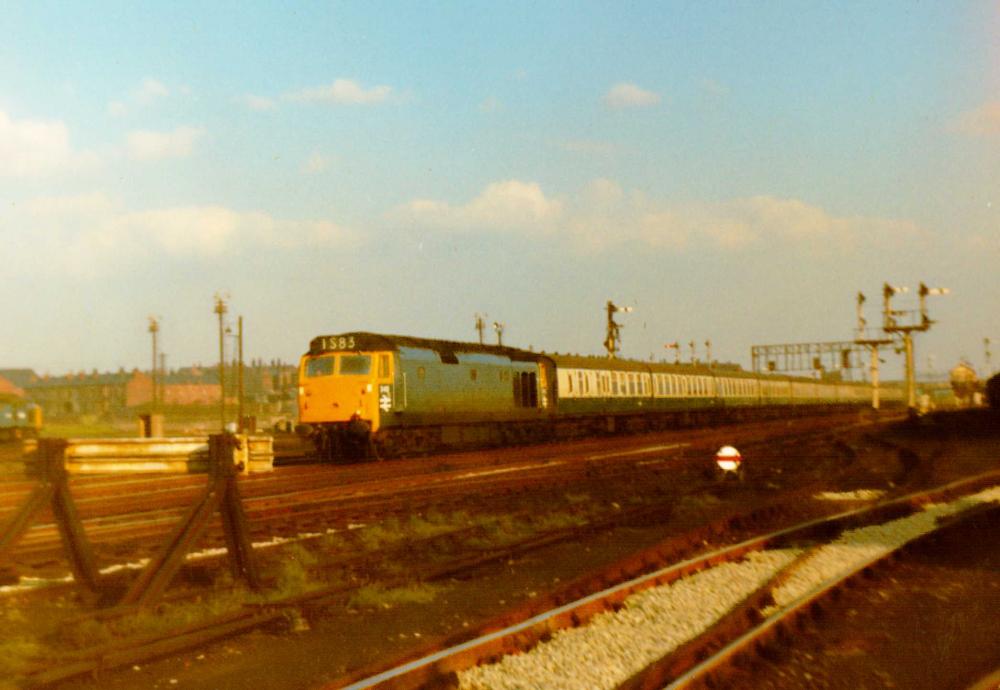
(259, 103)
(603, 215)
(30, 148)
(144, 95)
(343, 91)
(149, 91)
(983, 121)
(768, 221)
(149, 145)
(91, 234)
(628, 95)
(511, 205)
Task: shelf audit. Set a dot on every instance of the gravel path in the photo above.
(614, 646)
(854, 547)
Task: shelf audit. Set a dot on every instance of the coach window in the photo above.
(569, 382)
(473, 374)
(421, 373)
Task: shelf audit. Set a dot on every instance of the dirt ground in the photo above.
(940, 617)
(929, 622)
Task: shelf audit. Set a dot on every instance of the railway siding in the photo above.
(653, 623)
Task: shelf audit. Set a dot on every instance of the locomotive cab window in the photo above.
(355, 365)
(383, 366)
(320, 366)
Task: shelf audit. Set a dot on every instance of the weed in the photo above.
(372, 596)
(422, 528)
(335, 542)
(557, 521)
(293, 572)
(86, 633)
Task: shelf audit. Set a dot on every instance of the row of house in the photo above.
(268, 388)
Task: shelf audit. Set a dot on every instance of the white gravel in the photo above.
(614, 646)
(854, 547)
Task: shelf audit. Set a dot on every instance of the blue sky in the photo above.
(736, 171)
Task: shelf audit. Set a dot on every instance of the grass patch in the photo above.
(557, 521)
(377, 536)
(293, 572)
(418, 527)
(377, 596)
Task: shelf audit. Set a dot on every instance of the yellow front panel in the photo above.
(333, 387)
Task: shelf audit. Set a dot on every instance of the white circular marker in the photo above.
(728, 459)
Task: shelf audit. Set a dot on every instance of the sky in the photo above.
(734, 171)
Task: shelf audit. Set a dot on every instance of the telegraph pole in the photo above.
(873, 344)
(613, 339)
(481, 325)
(163, 378)
(989, 368)
(708, 352)
(239, 371)
(154, 328)
(220, 309)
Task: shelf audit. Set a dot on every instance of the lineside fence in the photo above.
(223, 458)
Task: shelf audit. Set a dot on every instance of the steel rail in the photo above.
(703, 674)
(432, 667)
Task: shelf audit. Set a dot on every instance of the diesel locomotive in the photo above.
(387, 395)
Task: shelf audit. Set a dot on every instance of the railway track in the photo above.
(125, 517)
(519, 484)
(278, 612)
(758, 584)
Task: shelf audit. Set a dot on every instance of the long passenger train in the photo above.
(398, 395)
